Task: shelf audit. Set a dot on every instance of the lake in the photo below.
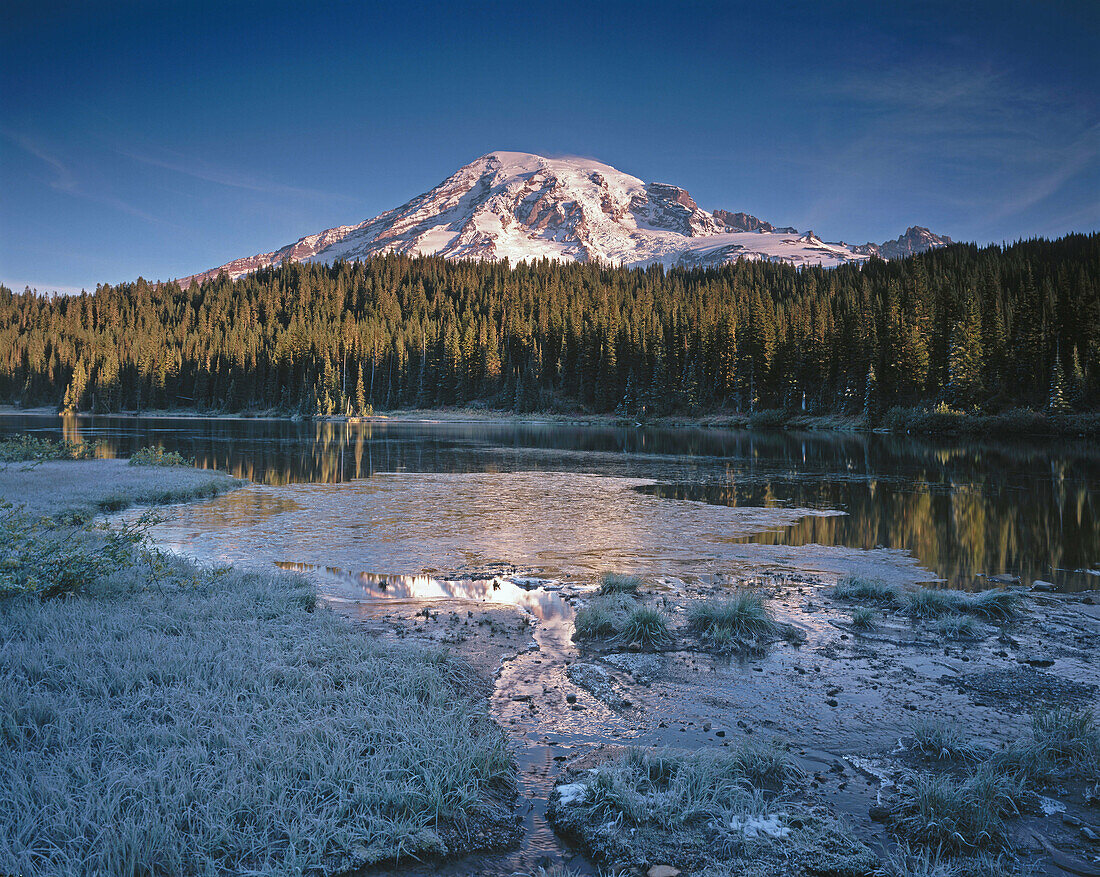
(407, 498)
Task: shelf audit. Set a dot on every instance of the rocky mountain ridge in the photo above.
(520, 206)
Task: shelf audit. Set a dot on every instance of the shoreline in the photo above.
(1017, 423)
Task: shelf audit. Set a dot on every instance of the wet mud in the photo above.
(845, 700)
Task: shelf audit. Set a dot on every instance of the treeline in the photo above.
(974, 328)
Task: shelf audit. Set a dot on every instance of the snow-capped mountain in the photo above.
(518, 206)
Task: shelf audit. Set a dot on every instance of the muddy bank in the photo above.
(843, 699)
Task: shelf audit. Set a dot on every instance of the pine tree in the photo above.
(74, 395)
(1056, 402)
(360, 394)
(964, 359)
(870, 394)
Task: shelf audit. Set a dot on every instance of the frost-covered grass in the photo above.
(1070, 740)
(929, 603)
(1063, 743)
(620, 619)
(668, 788)
(993, 605)
(711, 812)
(957, 627)
(864, 618)
(905, 861)
(964, 814)
(615, 583)
(958, 814)
(939, 740)
(81, 489)
(602, 616)
(174, 720)
(861, 590)
(727, 621)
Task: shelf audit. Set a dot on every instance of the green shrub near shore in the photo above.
(157, 456)
(23, 448)
(169, 719)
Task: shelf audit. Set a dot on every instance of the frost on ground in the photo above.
(166, 718)
(704, 810)
(83, 488)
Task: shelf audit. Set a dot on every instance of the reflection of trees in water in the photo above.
(962, 506)
(1039, 532)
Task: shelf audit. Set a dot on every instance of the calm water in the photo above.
(407, 498)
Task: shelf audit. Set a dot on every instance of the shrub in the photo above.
(157, 456)
(861, 590)
(28, 447)
(614, 583)
(50, 559)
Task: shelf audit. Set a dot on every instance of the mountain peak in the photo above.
(522, 206)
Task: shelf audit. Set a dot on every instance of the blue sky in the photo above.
(162, 138)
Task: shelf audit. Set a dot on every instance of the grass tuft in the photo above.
(644, 626)
(864, 619)
(949, 813)
(602, 616)
(993, 605)
(666, 788)
(615, 583)
(942, 741)
(957, 627)
(1070, 739)
(724, 622)
(861, 590)
(928, 603)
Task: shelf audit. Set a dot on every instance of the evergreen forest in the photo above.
(979, 329)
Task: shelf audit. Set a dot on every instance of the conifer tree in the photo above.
(964, 364)
(1057, 402)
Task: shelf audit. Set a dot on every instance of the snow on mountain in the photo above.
(916, 239)
(519, 206)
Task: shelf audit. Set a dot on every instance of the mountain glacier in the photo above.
(519, 206)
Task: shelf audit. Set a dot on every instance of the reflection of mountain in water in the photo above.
(542, 604)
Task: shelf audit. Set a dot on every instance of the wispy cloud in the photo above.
(200, 170)
(922, 130)
(64, 179)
